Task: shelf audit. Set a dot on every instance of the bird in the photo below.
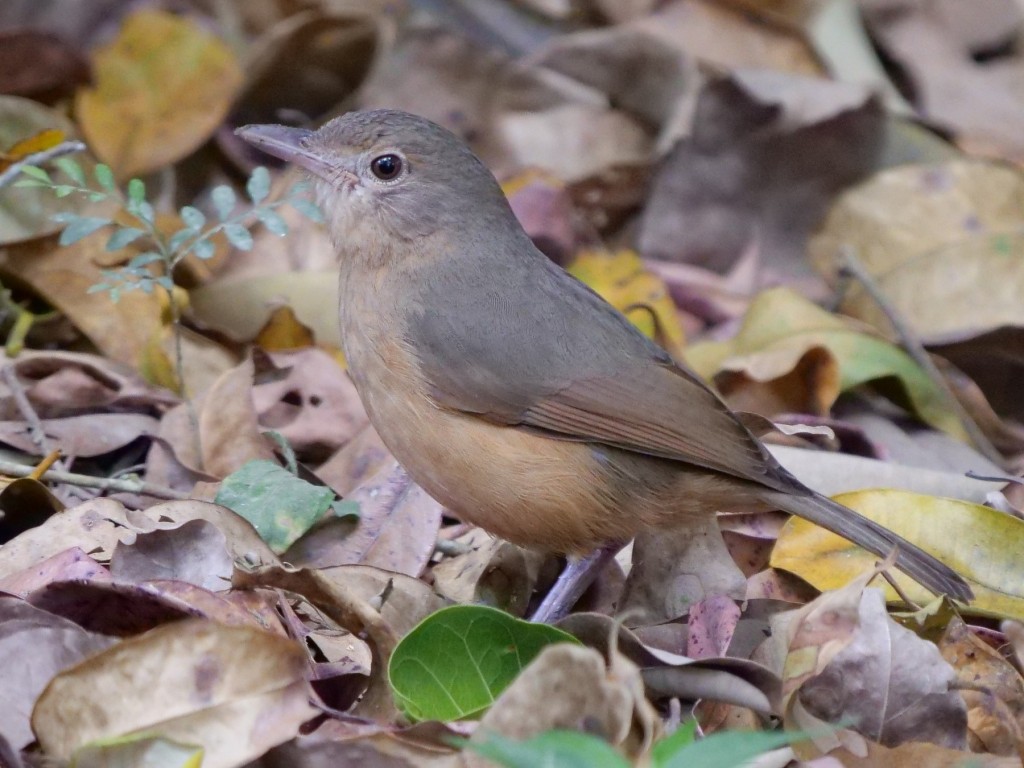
(511, 392)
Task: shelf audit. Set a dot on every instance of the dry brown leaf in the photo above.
(70, 565)
(162, 87)
(673, 570)
(314, 406)
(229, 432)
(396, 530)
(356, 462)
(189, 682)
(567, 686)
(493, 572)
(195, 552)
(905, 212)
(34, 646)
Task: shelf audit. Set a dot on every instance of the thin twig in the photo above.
(35, 424)
(899, 590)
(852, 266)
(38, 158)
(13, 469)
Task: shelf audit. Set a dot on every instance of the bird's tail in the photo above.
(915, 562)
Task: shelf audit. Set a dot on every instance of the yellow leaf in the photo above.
(162, 87)
(38, 142)
(980, 543)
(642, 296)
(283, 331)
(782, 328)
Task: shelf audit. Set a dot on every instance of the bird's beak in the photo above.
(285, 143)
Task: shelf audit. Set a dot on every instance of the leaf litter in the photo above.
(250, 559)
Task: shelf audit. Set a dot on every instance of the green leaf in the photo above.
(31, 183)
(36, 173)
(145, 210)
(280, 505)
(72, 169)
(136, 191)
(308, 209)
(144, 259)
(204, 249)
(272, 221)
(98, 287)
(457, 661)
(105, 177)
(346, 508)
(729, 749)
(238, 236)
(193, 218)
(223, 200)
(259, 185)
(179, 238)
(552, 749)
(63, 190)
(81, 226)
(122, 237)
(665, 749)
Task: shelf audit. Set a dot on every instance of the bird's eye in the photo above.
(386, 167)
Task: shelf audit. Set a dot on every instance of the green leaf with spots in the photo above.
(280, 506)
(457, 661)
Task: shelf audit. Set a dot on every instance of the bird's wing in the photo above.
(569, 365)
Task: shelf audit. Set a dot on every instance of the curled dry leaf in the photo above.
(673, 570)
(783, 331)
(568, 686)
(195, 552)
(315, 406)
(396, 530)
(83, 437)
(70, 565)
(666, 675)
(994, 694)
(228, 427)
(162, 87)
(493, 572)
(34, 646)
(189, 681)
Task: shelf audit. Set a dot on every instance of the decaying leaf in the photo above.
(162, 87)
(189, 682)
(984, 549)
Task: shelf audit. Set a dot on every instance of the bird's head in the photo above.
(387, 172)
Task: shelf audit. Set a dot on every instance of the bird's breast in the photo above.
(532, 490)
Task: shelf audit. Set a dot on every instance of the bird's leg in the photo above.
(579, 573)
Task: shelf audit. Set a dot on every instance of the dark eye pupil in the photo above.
(386, 167)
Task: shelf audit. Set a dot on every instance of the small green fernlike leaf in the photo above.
(144, 259)
(72, 169)
(145, 210)
(31, 183)
(223, 200)
(204, 249)
(280, 505)
(238, 236)
(552, 749)
(728, 749)
(81, 226)
(137, 191)
(193, 218)
(258, 186)
(105, 177)
(179, 238)
(122, 237)
(272, 221)
(457, 661)
(63, 190)
(308, 209)
(36, 173)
